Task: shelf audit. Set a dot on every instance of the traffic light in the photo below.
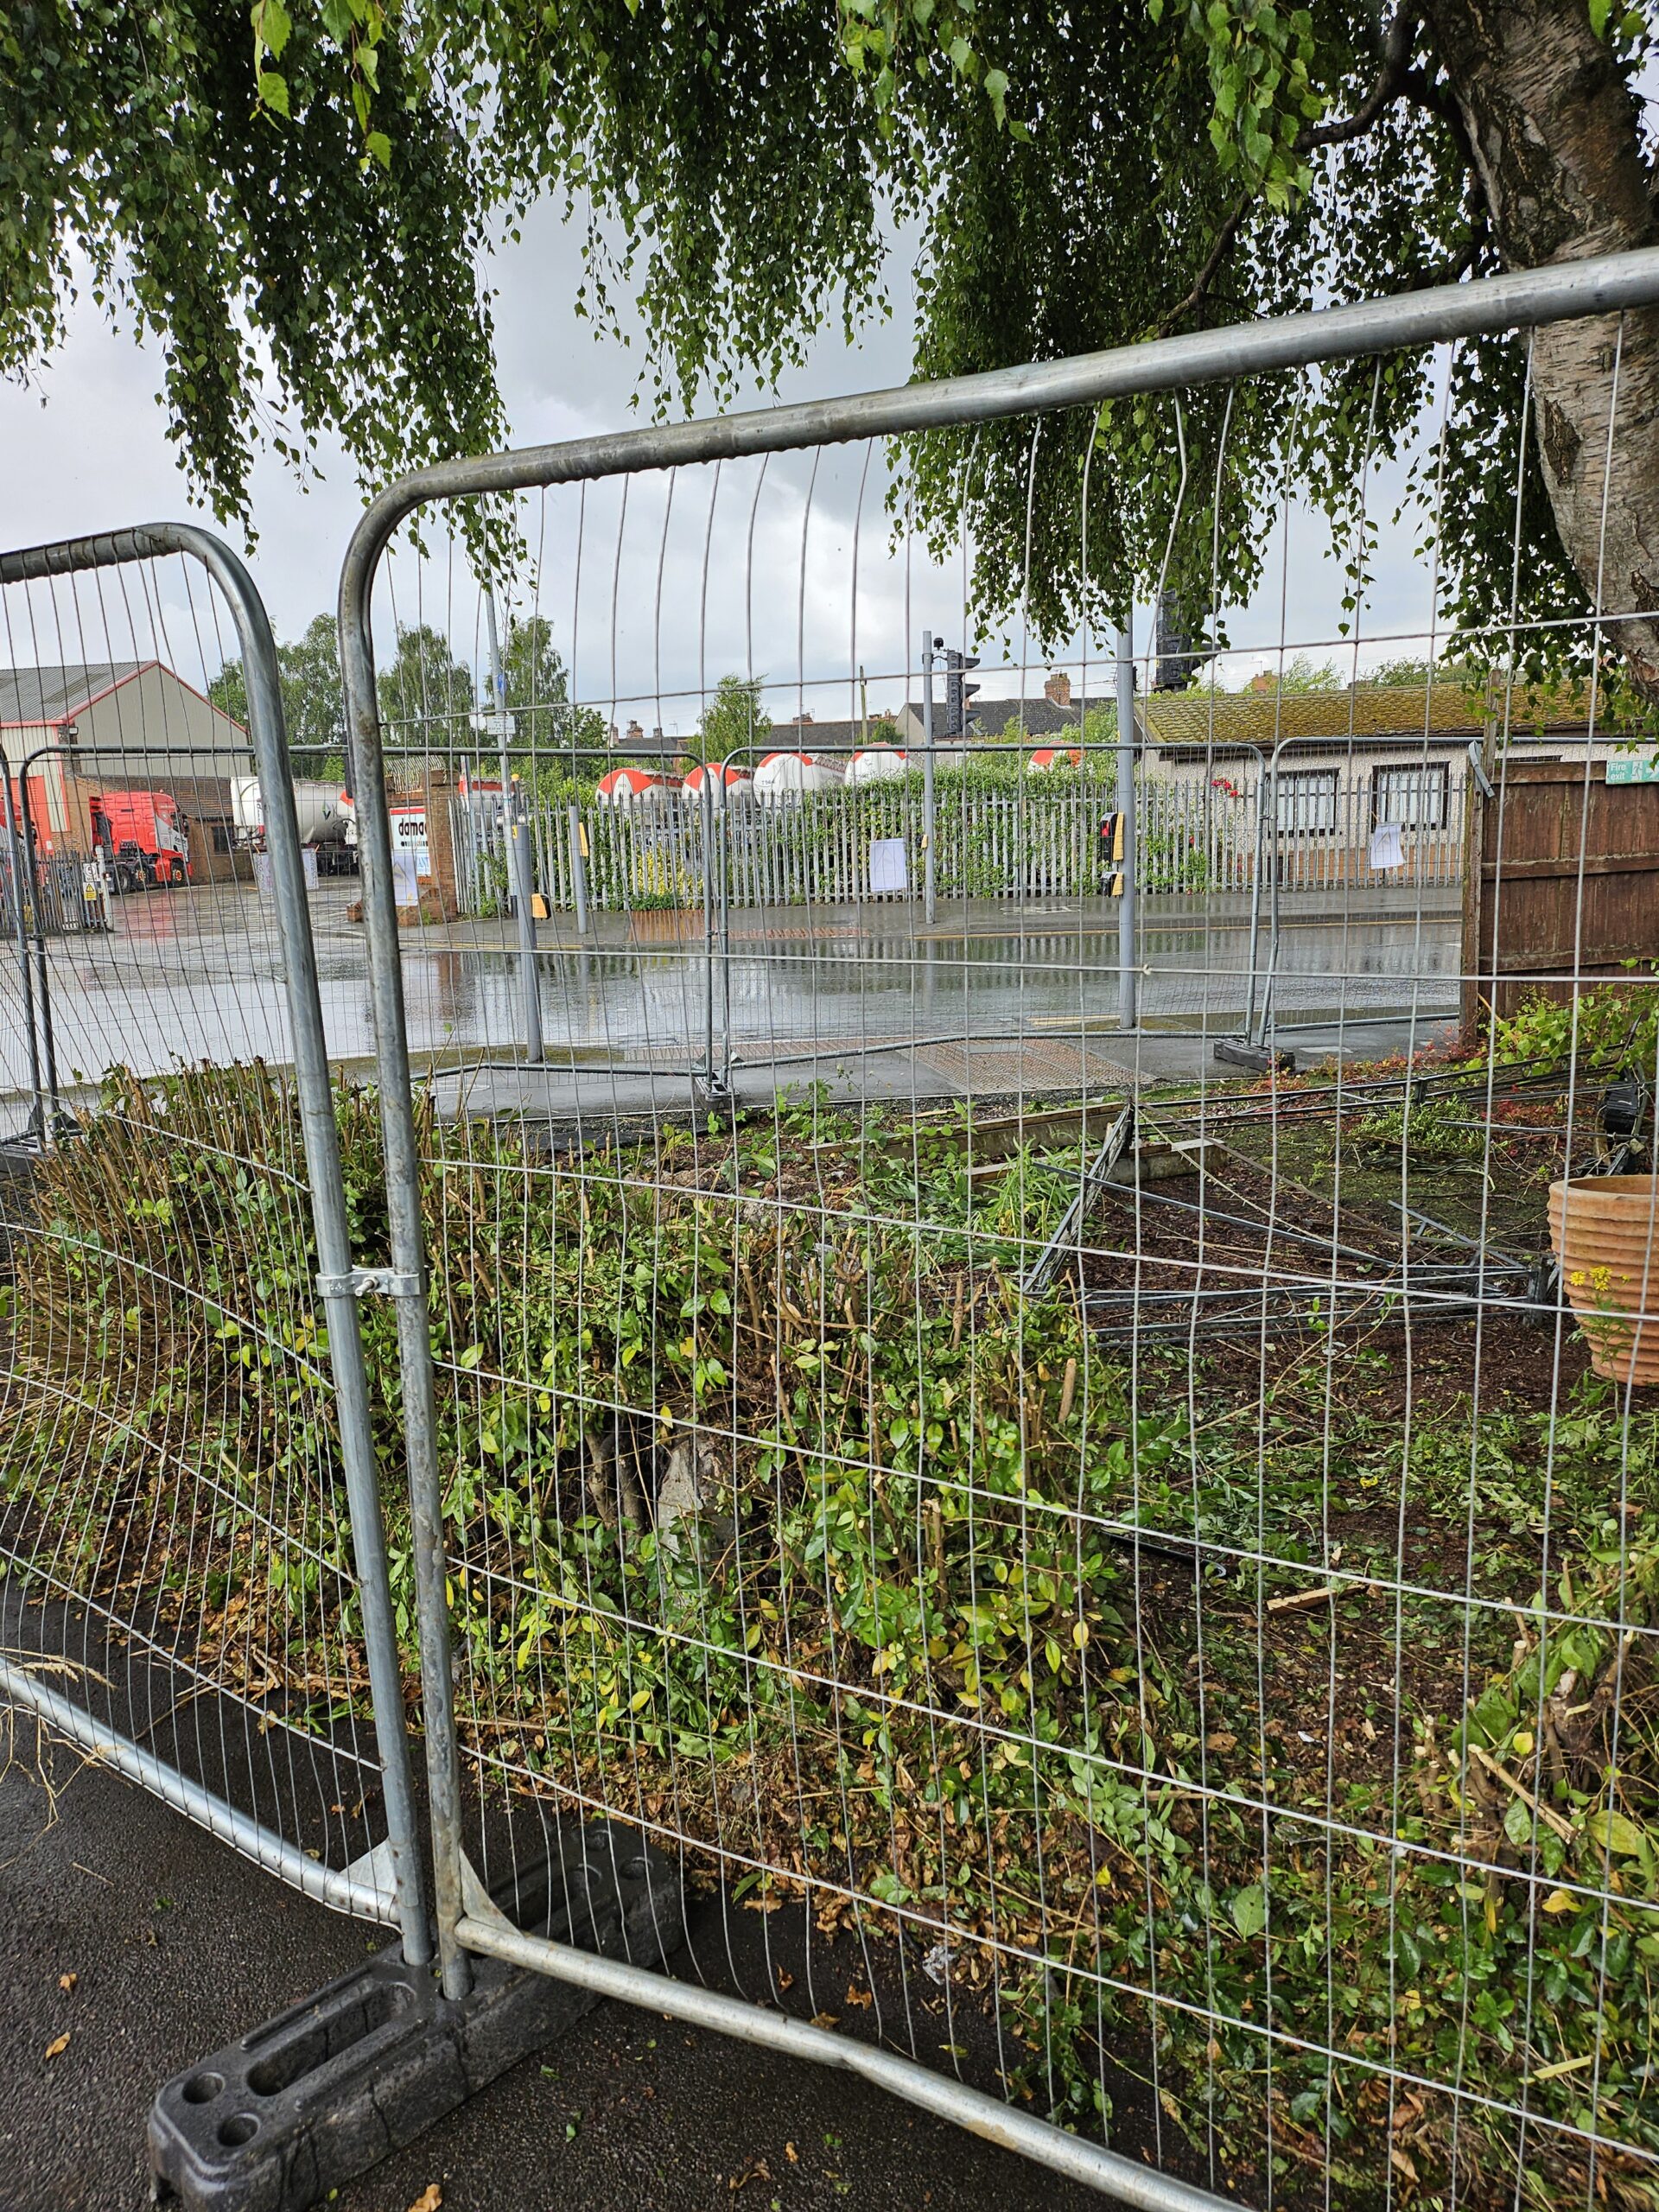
(957, 693)
(1178, 654)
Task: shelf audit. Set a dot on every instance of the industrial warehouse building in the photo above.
(87, 727)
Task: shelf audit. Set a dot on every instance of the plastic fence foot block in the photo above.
(324, 2091)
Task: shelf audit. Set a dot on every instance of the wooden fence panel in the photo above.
(1567, 885)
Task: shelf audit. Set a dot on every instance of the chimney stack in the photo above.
(1058, 689)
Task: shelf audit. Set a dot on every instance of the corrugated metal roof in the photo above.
(54, 695)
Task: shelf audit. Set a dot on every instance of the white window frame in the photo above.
(1432, 779)
(1307, 801)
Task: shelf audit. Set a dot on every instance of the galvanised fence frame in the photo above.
(813, 850)
(1603, 287)
(387, 1882)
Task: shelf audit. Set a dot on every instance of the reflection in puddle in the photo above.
(193, 978)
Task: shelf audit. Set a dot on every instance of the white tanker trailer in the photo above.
(323, 811)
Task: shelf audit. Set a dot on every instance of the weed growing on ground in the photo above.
(1290, 1706)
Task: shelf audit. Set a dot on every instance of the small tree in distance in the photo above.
(552, 739)
(733, 725)
(427, 701)
(1301, 674)
(314, 706)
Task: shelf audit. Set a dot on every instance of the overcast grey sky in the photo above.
(679, 601)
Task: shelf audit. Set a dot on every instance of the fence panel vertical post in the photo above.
(930, 827)
(521, 870)
(1126, 930)
(22, 890)
(335, 1279)
(578, 868)
(397, 1104)
(1257, 865)
(33, 877)
(335, 1284)
(714, 779)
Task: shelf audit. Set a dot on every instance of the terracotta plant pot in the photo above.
(1604, 1229)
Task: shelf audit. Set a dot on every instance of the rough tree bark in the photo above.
(1554, 132)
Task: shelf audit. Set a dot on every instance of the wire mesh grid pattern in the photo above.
(106, 699)
(1126, 1582)
(1038, 842)
(178, 1591)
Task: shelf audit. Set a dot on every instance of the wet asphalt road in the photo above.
(177, 1947)
(200, 975)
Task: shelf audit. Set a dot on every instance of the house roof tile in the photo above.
(1256, 721)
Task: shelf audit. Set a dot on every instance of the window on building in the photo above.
(1307, 799)
(1412, 795)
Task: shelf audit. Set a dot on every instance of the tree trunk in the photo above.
(1553, 131)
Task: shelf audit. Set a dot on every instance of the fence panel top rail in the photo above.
(1602, 285)
(1068, 1467)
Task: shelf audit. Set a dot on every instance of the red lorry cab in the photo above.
(143, 836)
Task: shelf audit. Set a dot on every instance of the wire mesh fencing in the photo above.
(1026, 1343)
(192, 1581)
(1126, 1577)
(1195, 835)
(1010, 843)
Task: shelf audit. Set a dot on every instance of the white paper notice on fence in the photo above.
(406, 878)
(889, 869)
(1388, 846)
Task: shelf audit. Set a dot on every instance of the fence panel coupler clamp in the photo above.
(373, 1282)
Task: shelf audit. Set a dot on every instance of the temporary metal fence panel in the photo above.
(67, 896)
(193, 1582)
(1196, 836)
(1127, 1585)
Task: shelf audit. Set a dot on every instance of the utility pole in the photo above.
(930, 871)
(1126, 949)
(518, 833)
